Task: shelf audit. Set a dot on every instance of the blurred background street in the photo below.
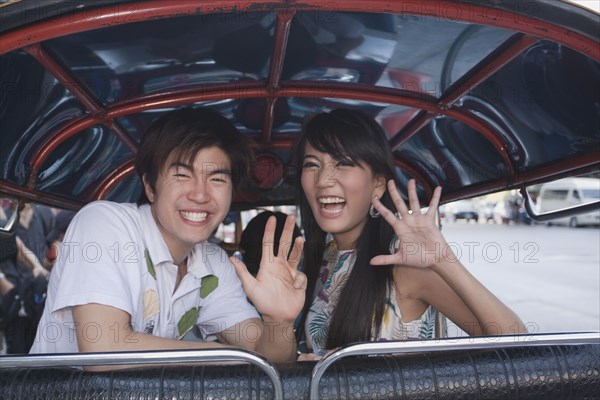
(549, 275)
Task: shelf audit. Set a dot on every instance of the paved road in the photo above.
(550, 276)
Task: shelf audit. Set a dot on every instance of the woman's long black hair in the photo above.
(349, 134)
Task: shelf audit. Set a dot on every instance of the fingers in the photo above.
(396, 198)
(242, 272)
(300, 280)
(384, 260)
(389, 216)
(286, 237)
(268, 240)
(413, 199)
(296, 253)
(435, 200)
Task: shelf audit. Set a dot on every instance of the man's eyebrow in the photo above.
(179, 164)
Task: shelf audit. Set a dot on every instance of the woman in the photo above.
(357, 290)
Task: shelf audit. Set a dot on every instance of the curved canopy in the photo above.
(476, 96)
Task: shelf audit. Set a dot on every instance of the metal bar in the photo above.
(122, 134)
(323, 89)
(468, 343)
(563, 212)
(68, 80)
(38, 197)
(410, 129)
(267, 130)
(144, 358)
(282, 32)
(485, 68)
(113, 179)
(80, 20)
(303, 89)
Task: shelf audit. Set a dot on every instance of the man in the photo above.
(139, 277)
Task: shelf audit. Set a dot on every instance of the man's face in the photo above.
(191, 201)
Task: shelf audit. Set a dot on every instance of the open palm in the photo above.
(421, 242)
(278, 291)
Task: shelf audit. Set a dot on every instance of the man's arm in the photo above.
(273, 339)
(101, 328)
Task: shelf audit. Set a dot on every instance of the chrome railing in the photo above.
(145, 358)
(446, 344)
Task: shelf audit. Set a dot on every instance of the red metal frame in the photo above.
(282, 32)
(31, 38)
(124, 171)
(84, 20)
(498, 58)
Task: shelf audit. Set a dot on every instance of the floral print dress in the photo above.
(334, 273)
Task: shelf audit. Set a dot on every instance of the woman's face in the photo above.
(339, 194)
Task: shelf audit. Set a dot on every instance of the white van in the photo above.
(569, 192)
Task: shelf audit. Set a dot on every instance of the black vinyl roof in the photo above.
(476, 96)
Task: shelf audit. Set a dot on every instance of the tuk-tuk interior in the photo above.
(476, 96)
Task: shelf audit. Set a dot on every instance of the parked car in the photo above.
(569, 192)
(461, 209)
(476, 96)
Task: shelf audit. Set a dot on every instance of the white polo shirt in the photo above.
(114, 254)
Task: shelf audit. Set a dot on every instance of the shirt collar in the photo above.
(202, 257)
(153, 239)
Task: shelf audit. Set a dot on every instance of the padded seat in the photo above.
(536, 372)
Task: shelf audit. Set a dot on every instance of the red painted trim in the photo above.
(28, 194)
(84, 20)
(493, 62)
(583, 163)
(410, 129)
(121, 134)
(267, 130)
(53, 142)
(68, 80)
(288, 89)
(124, 171)
(282, 32)
(416, 173)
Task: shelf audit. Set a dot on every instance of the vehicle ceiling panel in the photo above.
(474, 103)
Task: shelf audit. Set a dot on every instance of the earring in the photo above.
(373, 212)
(394, 244)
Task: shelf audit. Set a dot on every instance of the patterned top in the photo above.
(335, 270)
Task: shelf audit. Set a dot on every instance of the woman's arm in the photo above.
(443, 282)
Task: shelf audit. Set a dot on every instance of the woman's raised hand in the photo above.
(278, 291)
(421, 242)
